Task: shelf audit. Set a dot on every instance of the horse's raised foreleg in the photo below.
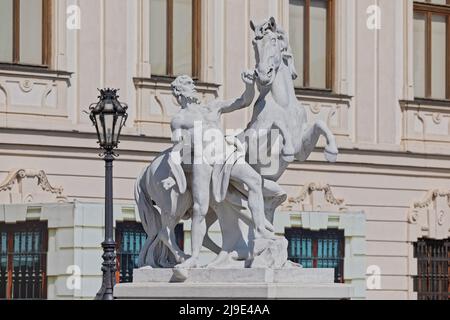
(311, 138)
(288, 151)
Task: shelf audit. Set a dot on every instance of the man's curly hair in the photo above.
(182, 86)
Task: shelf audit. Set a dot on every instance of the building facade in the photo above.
(378, 72)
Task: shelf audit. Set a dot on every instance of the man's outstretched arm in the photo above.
(245, 100)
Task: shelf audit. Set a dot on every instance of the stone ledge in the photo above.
(259, 275)
(183, 291)
(219, 284)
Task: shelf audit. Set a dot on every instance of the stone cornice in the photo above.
(13, 70)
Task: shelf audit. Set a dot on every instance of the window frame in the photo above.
(136, 227)
(196, 40)
(429, 9)
(315, 236)
(47, 23)
(330, 47)
(121, 227)
(430, 265)
(9, 229)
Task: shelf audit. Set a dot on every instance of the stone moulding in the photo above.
(219, 284)
(430, 217)
(17, 175)
(34, 92)
(426, 126)
(430, 197)
(427, 202)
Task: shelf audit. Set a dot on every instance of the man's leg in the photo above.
(244, 173)
(271, 189)
(201, 177)
(273, 193)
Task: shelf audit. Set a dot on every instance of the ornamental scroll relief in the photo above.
(430, 217)
(316, 197)
(18, 189)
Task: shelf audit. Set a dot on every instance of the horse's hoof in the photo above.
(180, 275)
(331, 155)
(184, 258)
(190, 263)
(289, 158)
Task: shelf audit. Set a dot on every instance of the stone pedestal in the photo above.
(291, 283)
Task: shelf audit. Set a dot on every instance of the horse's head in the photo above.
(271, 47)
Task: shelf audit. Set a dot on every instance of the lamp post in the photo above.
(108, 116)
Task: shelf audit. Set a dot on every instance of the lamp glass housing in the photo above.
(108, 116)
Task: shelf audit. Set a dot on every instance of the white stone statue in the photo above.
(216, 161)
(208, 176)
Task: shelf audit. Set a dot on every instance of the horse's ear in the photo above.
(289, 61)
(252, 25)
(273, 23)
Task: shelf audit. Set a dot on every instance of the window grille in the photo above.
(432, 281)
(23, 260)
(130, 238)
(318, 249)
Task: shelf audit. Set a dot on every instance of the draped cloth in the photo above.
(221, 162)
(235, 152)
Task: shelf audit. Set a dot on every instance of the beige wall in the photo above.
(392, 151)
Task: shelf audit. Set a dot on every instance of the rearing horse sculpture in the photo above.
(278, 107)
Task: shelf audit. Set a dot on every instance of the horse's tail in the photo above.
(150, 218)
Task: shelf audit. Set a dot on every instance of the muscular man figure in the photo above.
(193, 114)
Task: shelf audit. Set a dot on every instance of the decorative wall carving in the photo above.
(334, 111)
(430, 217)
(34, 93)
(3, 95)
(316, 197)
(426, 126)
(25, 194)
(26, 85)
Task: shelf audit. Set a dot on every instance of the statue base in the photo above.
(289, 283)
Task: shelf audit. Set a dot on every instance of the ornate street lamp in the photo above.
(108, 116)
